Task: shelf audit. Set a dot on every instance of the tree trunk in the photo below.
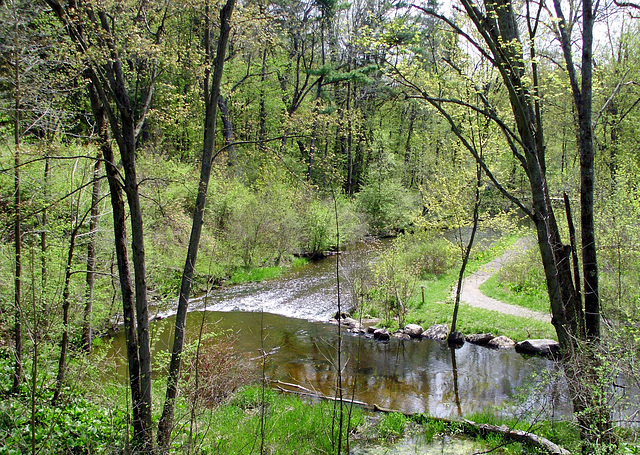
(227, 131)
(409, 173)
(500, 31)
(109, 80)
(312, 147)
(573, 326)
(91, 247)
(467, 251)
(64, 344)
(124, 271)
(262, 136)
(587, 180)
(43, 234)
(212, 95)
(17, 229)
(140, 276)
(348, 140)
(17, 279)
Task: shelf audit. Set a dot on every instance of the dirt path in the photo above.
(471, 294)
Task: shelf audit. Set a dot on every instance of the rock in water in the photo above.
(381, 334)
(501, 342)
(436, 332)
(400, 335)
(538, 346)
(350, 322)
(413, 330)
(479, 338)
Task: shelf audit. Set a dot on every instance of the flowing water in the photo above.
(287, 318)
(308, 292)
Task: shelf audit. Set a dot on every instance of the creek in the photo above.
(287, 318)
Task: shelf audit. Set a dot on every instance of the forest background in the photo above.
(383, 118)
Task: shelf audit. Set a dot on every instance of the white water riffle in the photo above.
(309, 292)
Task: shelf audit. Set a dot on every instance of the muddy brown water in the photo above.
(287, 318)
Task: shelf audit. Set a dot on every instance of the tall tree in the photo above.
(582, 90)
(516, 62)
(97, 34)
(212, 82)
(87, 336)
(17, 228)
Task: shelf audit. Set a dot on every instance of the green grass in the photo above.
(299, 262)
(477, 320)
(243, 275)
(250, 275)
(563, 433)
(75, 425)
(494, 288)
(291, 425)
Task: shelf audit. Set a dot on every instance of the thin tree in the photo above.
(466, 253)
(77, 224)
(87, 336)
(212, 82)
(16, 64)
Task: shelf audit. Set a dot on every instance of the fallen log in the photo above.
(520, 436)
(468, 426)
(303, 391)
(483, 428)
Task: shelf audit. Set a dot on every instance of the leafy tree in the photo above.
(497, 47)
(98, 37)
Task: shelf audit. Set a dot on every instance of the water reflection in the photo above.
(456, 390)
(411, 376)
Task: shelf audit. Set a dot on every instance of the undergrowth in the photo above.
(291, 425)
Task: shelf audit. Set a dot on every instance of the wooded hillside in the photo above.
(134, 135)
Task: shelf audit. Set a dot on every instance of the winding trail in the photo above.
(471, 294)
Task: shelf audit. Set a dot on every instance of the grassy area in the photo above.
(477, 320)
(252, 420)
(290, 425)
(494, 288)
(285, 425)
(562, 433)
(438, 289)
(421, 433)
(244, 275)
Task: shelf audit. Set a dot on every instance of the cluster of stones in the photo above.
(440, 332)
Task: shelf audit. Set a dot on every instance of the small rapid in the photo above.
(309, 292)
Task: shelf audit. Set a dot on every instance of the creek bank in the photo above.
(440, 332)
(465, 426)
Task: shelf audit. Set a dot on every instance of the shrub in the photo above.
(523, 274)
(75, 426)
(319, 230)
(214, 372)
(409, 258)
(387, 207)
(288, 425)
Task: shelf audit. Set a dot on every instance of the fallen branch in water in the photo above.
(308, 393)
(467, 425)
